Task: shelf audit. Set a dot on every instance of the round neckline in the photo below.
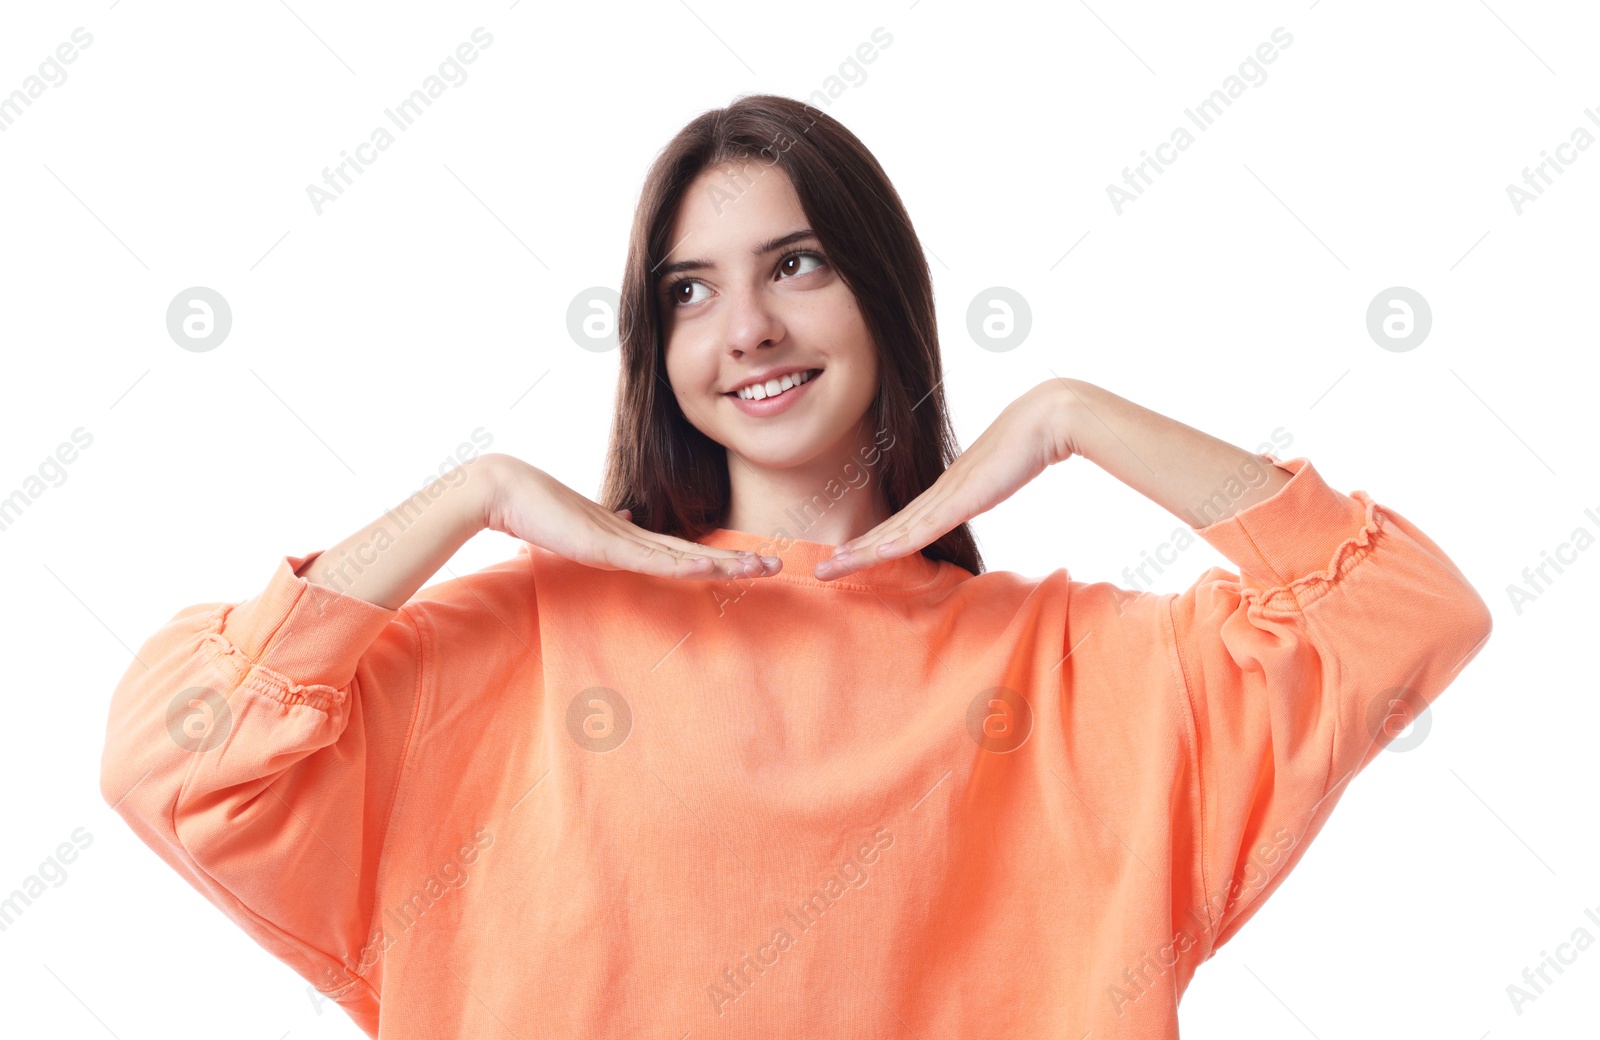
(800, 556)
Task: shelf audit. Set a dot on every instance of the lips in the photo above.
(791, 371)
(761, 389)
(778, 403)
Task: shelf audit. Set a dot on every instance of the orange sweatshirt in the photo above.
(548, 800)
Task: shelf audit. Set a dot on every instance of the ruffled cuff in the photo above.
(1299, 540)
(303, 639)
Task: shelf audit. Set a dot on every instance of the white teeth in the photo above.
(773, 387)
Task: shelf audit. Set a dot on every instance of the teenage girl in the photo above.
(754, 746)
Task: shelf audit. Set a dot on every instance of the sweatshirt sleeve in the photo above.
(1343, 623)
(257, 748)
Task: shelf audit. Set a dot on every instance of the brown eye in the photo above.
(682, 293)
(796, 259)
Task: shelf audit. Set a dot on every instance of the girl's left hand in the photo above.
(1029, 435)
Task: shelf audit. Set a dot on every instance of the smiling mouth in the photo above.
(760, 391)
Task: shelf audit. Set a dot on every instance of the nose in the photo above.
(751, 322)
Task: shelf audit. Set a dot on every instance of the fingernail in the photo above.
(770, 561)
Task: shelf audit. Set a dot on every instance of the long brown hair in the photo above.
(673, 477)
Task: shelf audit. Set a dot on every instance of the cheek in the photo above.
(684, 370)
(849, 325)
(672, 359)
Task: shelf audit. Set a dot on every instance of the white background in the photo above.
(372, 339)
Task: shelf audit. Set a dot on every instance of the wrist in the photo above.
(485, 476)
(1061, 413)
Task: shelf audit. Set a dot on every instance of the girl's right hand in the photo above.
(525, 502)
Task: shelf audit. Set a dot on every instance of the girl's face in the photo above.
(746, 292)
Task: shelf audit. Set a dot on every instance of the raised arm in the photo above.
(1194, 476)
(1342, 623)
(257, 746)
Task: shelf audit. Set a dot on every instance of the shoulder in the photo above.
(460, 602)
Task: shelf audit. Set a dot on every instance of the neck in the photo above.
(830, 499)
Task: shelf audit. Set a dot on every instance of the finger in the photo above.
(854, 545)
(670, 557)
(907, 532)
(896, 525)
(622, 552)
(927, 523)
(737, 563)
(714, 568)
(692, 549)
(698, 548)
(674, 542)
(855, 555)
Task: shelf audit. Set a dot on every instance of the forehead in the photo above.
(731, 207)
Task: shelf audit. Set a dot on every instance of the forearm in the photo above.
(387, 561)
(1192, 475)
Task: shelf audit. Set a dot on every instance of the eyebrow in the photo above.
(769, 246)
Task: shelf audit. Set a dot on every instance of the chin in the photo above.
(782, 453)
